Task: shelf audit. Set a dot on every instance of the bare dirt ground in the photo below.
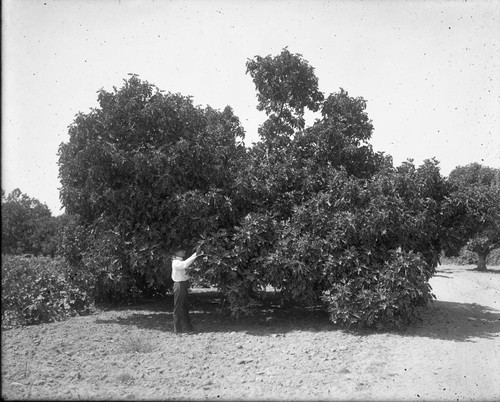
(453, 353)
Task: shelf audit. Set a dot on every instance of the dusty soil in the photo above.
(453, 353)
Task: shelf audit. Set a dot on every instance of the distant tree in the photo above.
(474, 174)
(28, 226)
(473, 210)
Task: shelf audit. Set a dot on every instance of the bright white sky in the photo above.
(429, 70)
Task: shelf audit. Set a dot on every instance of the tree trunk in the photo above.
(481, 263)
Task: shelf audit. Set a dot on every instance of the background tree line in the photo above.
(313, 211)
(28, 226)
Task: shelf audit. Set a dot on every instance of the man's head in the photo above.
(180, 252)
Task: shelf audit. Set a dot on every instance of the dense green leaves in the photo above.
(383, 297)
(286, 86)
(143, 172)
(235, 260)
(473, 174)
(42, 289)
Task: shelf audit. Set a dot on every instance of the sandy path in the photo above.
(452, 354)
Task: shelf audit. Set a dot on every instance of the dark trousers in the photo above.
(181, 307)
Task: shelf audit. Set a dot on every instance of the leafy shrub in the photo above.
(385, 296)
(41, 289)
(340, 243)
(123, 270)
(235, 261)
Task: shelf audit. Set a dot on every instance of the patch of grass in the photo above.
(124, 378)
(138, 344)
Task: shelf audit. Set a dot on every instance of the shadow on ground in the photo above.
(461, 322)
(206, 316)
(488, 271)
(443, 276)
(446, 270)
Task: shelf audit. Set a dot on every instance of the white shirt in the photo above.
(179, 267)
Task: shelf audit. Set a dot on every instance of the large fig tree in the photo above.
(329, 218)
(312, 211)
(144, 171)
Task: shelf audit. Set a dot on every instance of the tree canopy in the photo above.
(147, 170)
(313, 211)
(286, 85)
(28, 226)
(473, 210)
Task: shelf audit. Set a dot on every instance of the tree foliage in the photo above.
(28, 226)
(312, 211)
(42, 289)
(145, 171)
(327, 208)
(286, 85)
(473, 210)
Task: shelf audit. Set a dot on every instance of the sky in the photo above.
(429, 70)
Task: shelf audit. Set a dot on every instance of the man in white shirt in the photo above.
(180, 276)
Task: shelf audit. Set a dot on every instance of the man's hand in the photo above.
(198, 251)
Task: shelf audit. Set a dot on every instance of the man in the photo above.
(180, 276)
